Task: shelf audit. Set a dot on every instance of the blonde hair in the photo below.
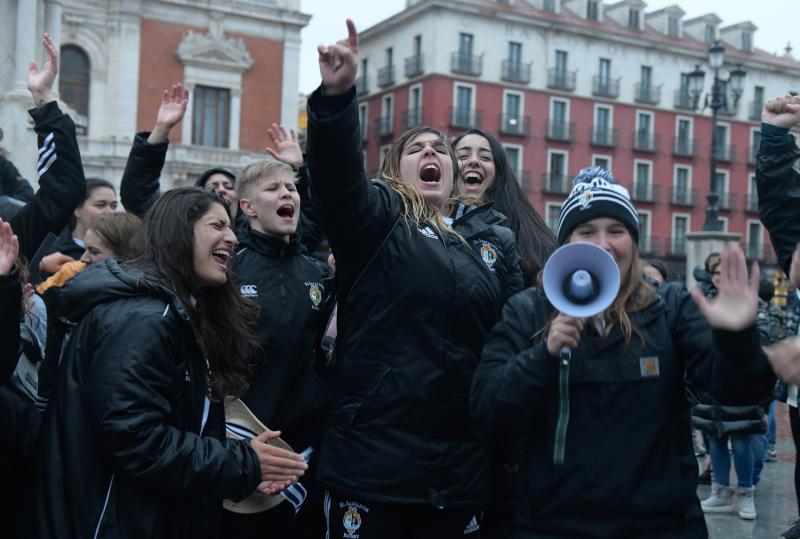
(415, 208)
(255, 172)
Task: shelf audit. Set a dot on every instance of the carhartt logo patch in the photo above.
(648, 366)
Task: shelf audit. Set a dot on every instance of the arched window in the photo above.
(74, 82)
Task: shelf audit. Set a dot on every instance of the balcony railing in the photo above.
(726, 201)
(752, 203)
(384, 126)
(557, 184)
(677, 246)
(754, 110)
(386, 76)
(647, 93)
(728, 109)
(605, 87)
(645, 192)
(683, 197)
(515, 124)
(361, 84)
(684, 147)
(604, 136)
(683, 100)
(752, 153)
(466, 64)
(415, 66)
(560, 131)
(464, 118)
(411, 118)
(725, 152)
(755, 251)
(559, 79)
(649, 245)
(646, 142)
(516, 72)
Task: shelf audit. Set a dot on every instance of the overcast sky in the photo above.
(775, 20)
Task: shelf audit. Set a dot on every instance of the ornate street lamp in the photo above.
(716, 100)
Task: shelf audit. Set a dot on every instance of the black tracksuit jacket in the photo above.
(121, 451)
(62, 185)
(293, 292)
(410, 331)
(630, 470)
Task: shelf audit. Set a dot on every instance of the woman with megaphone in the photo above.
(596, 385)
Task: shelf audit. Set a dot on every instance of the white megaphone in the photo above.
(580, 280)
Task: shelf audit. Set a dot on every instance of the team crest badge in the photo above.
(585, 199)
(488, 254)
(315, 294)
(351, 521)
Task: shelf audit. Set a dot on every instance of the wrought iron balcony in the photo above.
(466, 64)
(605, 136)
(361, 84)
(605, 87)
(684, 147)
(560, 131)
(386, 76)
(728, 109)
(415, 66)
(647, 93)
(683, 197)
(752, 153)
(525, 181)
(464, 118)
(516, 72)
(410, 118)
(515, 124)
(385, 126)
(725, 152)
(755, 251)
(646, 142)
(677, 246)
(645, 192)
(560, 79)
(727, 201)
(683, 100)
(752, 203)
(649, 245)
(557, 184)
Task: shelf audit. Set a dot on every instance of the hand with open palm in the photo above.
(170, 112)
(735, 306)
(9, 248)
(286, 150)
(40, 83)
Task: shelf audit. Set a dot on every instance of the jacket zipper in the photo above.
(563, 407)
(105, 506)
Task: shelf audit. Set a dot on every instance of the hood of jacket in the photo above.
(108, 281)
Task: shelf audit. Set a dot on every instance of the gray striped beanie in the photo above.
(595, 194)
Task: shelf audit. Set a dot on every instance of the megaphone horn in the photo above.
(581, 279)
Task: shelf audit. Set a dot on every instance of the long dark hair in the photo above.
(535, 241)
(221, 318)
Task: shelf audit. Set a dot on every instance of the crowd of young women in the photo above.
(189, 366)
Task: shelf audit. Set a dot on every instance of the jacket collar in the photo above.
(470, 220)
(268, 245)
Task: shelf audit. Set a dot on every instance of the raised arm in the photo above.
(778, 176)
(140, 185)
(61, 181)
(357, 214)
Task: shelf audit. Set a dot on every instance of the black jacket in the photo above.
(62, 185)
(409, 332)
(778, 185)
(140, 188)
(12, 183)
(122, 450)
(629, 468)
(292, 291)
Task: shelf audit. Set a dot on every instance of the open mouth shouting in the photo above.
(286, 213)
(430, 173)
(472, 180)
(221, 256)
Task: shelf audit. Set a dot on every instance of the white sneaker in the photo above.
(720, 501)
(746, 504)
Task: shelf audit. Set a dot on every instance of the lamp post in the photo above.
(717, 99)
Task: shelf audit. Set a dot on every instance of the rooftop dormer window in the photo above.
(747, 41)
(633, 19)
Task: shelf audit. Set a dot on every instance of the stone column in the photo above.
(53, 27)
(25, 45)
(701, 244)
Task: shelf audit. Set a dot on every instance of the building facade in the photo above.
(239, 59)
(566, 84)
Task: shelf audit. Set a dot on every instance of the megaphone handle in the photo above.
(559, 447)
